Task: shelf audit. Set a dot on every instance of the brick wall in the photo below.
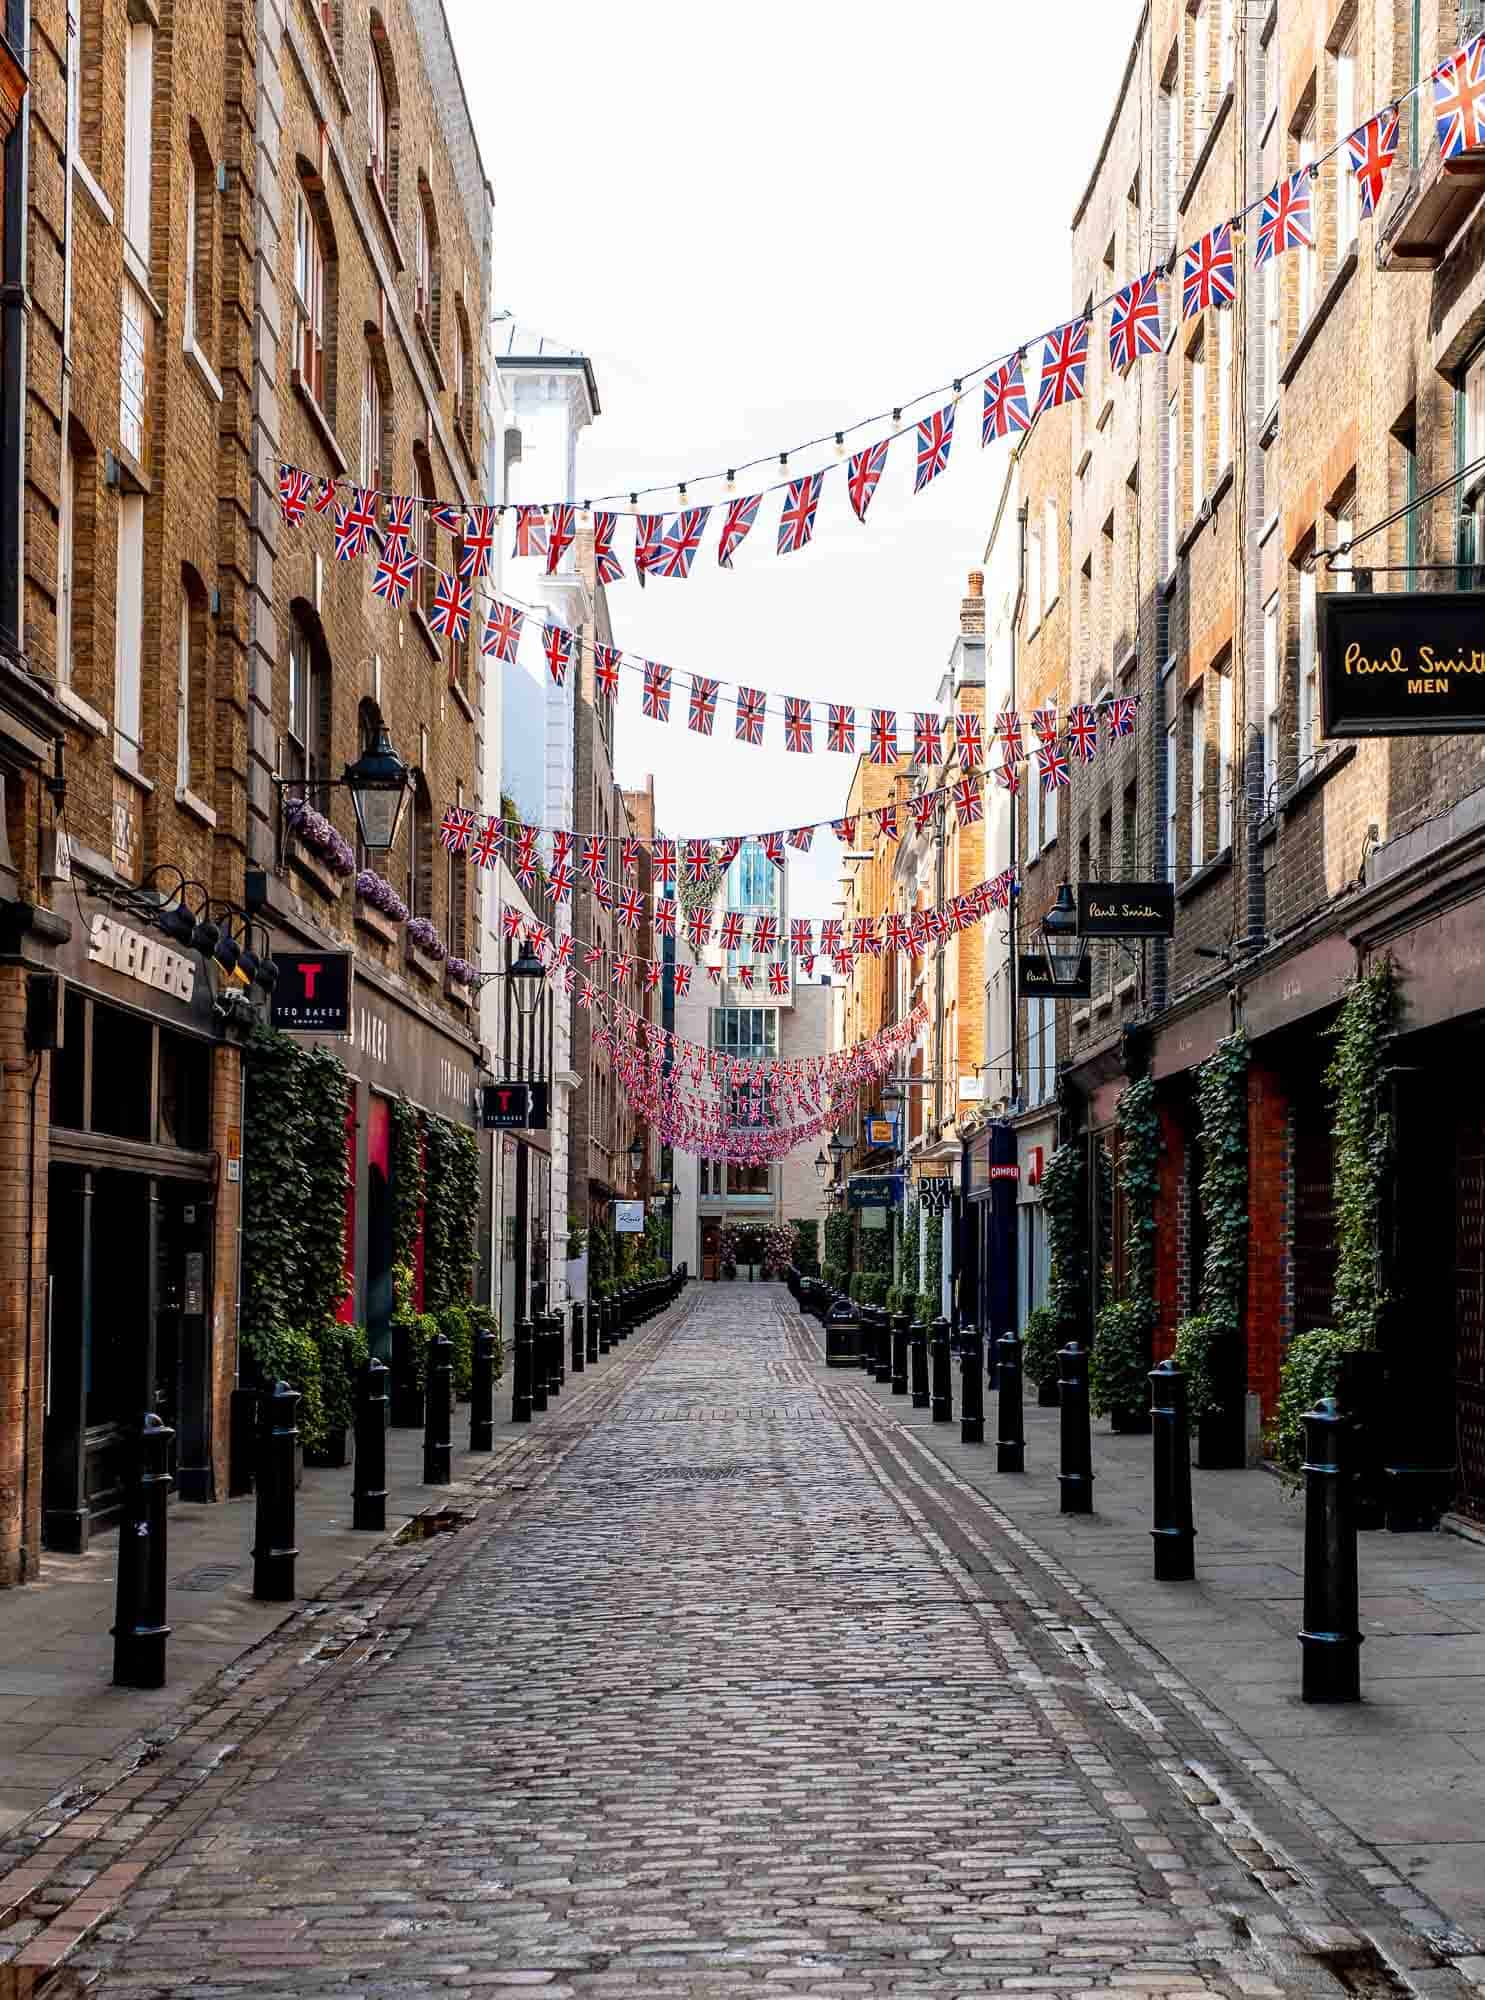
(1270, 1227)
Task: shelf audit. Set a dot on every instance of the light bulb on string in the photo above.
(840, 444)
(731, 480)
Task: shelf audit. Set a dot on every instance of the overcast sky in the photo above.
(762, 223)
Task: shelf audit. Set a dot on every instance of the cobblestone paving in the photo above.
(716, 1706)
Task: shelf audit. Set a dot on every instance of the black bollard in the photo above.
(1010, 1428)
(971, 1386)
(522, 1379)
(1076, 1475)
(918, 1346)
(274, 1551)
(590, 1316)
(942, 1370)
(884, 1345)
(899, 1354)
(579, 1341)
(538, 1366)
(557, 1321)
(369, 1481)
(139, 1628)
(1174, 1532)
(1330, 1644)
(605, 1326)
(438, 1449)
(482, 1393)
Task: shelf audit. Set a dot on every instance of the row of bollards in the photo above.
(916, 1361)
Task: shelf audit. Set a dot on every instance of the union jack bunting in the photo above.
(863, 933)
(1008, 734)
(935, 923)
(561, 845)
(502, 631)
(679, 542)
(559, 880)
(664, 853)
(293, 494)
(845, 830)
(745, 974)
(968, 742)
(802, 839)
(593, 954)
(765, 933)
(736, 523)
(457, 826)
(606, 668)
(1134, 324)
(399, 529)
(797, 521)
(799, 730)
(920, 806)
(652, 975)
(620, 970)
(511, 922)
(487, 843)
(800, 935)
(1082, 731)
(1284, 219)
(477, 549)
(395, 576)
(683, 980)
(326, 498)
(442, 515)
(585, 994)
(886, 819)
(927, 738)
(647, 530)
(562, 951)
(449, 612)
(750, 712)
(353, 525)
(655, 697)
(1064, 363)
(863, 475)
(1044, 722)
(842, 728)
(556, 643)
(703, 711)
(1208, 275)
(606, 565)
(935, 436)
(883, 736)
(595, 857)
(969, 803)
(629, 853)
(531, 531)
(727, 850)
(1005, 402)
(1052, 761)
(1371, 151)
(830, 936)
(1459, 100)
(773, 846)
(603, 894)
(699, 929)
(899, 933)
(698, 860)
(732, 930)
(630, 909)
(561, 533)
(1008, 774)
(778, 978)
(665, 916)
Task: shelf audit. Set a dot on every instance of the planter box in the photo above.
(461, 995)
(370, 919)
(421, 961)
(315, 869)
(336, 1453)
(1130, 1423)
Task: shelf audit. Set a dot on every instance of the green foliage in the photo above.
(1119, 1366)
(1363, 1149)
(898, 1300)
(911, 1275)
(600, 1254)
(840, 1243)
(925, 1310)
(1065, 1205)
(294, 1204)
(1039, 1344)
(1222, 1106)
(807, 1247)
(407, 1180)
(1139, 1177)
(874, 1255)
(1312, 1369)
(1199, 1345)
(342, 1350)
(455, 1325)
(931, 1277)
(285, 1354)
(417, 1328)
(482, 1320)
(577, 1237)
(450, 1213)
(869, 1288)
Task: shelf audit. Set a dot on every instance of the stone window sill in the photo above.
(461, 701)
(84, 712)
(202, 367)
(1329, 760)
(379, 203)
(321, 423)
(134, 777)
(188, 802)
(315, 871)
(84, 175)
(371, 920)
(425, 334)
(422, 962)
(137, 272)
(1309, 332)
(1208, 872)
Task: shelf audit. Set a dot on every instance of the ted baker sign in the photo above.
(142, 958)
(313, 993)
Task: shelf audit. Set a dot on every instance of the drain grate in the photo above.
(210, 1576)
(439, 1521)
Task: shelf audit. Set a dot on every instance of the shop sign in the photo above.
(505, 1107)
(313, 994)
(971, 1089)
(1004, 1173)
(1402, 662)
(1036, 981)
(142, 958)
(934, 1170)
(629, 1218)
(1126, 909)
(881, 1132)
(885, 1192)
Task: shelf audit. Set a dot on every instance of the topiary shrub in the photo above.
(807, 1247)
(482, 1320)
(1199, 1346)
(342, 1351)
(1312, 1369)
(1039, 1344)
(288, 1355)
(1119, 1366)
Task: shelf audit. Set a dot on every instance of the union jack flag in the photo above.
(556, 643)
(1120, 715)
(699, 928)
(703, 705)
(732, 930)
(745, 974)
(477, 546)
(773, 847)
(664, 852)
(1208, 275)
(800, 935)
(1064, 362)
(727, 850)
(324, 501)
(603, 894)
(619, 975)
(511, 922)
(968, 742)
(631, 909)
(1052, 761)
(921, 806)
(1008, 734)
(799, 729)
(845, 830)
(665, 916)
(400, 521)
(969, 802)
(449, 612)
(487, 843)
(883, 736)
(1044, 721)
(1008, 774)
(458, 825)
(778, 978)
(927, 738)
(531, 531)
(863, 933)
(797, 522)
(1371, 151)
(1459, 100)
(1005, 402)
(862, 476)
(751, 703)
(842, 728)
(652, 975)
(559, 880)
(830, 936)
(502, 631)
(629, 853)
(765, 934)
(561, 844)
(738, 520)
(899, 932)
(886, 818)
(802, 838)
(1082, 731)
(655, 698)
(353, 525)
(395, 576)
(594, 857)
(683, 980)
(585, 991)
(935, 436)
(1284, 219)
(442, 515)
(561, 533)
(606, 565)
(1134, 325)
(680, 541)
(562, 954)
(698, 860)
(647, 529)
(293, 494)
(606, 668)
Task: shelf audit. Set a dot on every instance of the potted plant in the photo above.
(1039, 1355)
(379, 908)
(424, 947)
(342, 1350)
(318, 850)
(411, 1333)
(1119, 1366)
(1208, 1352)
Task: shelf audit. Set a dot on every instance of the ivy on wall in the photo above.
(1363, 1149)
(1222, 1106)
(295, 1188)
(1139, 1179)
(450, 1214)
(407, 1180)
(1064, 1203)
(840, 1246)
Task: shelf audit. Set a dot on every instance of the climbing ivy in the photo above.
(407, 1180)
(932, 1280)
(295, 1190)
(1222, 1107)
(1139, 1178)
(1363, 1149)
(1064, 1203)
(451, 1214)
(840, 1248)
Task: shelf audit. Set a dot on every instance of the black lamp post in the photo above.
(636, 1158)
(378, 783)
(526, 976)
(1066, 950)
(822, 1165)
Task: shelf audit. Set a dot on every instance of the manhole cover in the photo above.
(210, 1576)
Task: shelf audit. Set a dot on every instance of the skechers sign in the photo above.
(1402, 662)
(141, 958)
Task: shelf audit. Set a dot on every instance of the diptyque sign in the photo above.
(313, 994)
(1126, 909)
(1037, 983)
(1402, 662)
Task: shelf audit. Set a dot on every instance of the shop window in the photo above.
(70, 1065)
(123, 1073)
(185, 1092)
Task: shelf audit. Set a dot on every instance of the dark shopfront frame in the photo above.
(988, 1232)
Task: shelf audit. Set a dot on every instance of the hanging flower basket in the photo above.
(425, 948)
(459, 980)
(330, 855)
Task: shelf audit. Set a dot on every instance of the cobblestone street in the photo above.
(729, 1687)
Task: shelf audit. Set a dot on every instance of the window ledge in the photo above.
(1268, 829)
(134, 777)
(1104, 414)
(202, 366)
(1167, 584)
(1081, 1017)
(430, 637)
(1208, 872)
(136, 270)
(1082, 465)
(1191, 533)
(1219, 119)
(1309, 332)
(1268, 528)
(1224, 483)
(84, 175)
(321, 423)
(188, 802)
(1332, 758)
(314, 869)
(468, 450)
(1051, 605)
(82, 711)
(1102, 1002)
(371, 920)
(1268, 430)
(379, 203)
(425, 334)
(462, 701)
(327, 49)
(1127, 986)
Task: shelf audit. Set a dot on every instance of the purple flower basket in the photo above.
(379, 893)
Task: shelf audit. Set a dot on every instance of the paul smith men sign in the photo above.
(1126, 909)
(1402, 662)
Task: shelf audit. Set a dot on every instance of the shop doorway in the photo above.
(711, 1250)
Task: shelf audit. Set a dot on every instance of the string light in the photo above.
(840, 444)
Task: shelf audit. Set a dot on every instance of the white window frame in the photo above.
(1309, 672)
(1172, 484)
(371, 425)
(190, 257)
(183, 699)
(1348, 195)
(1307, 260)
(1201, 60)
(1341, 567)
(1270, 703)
(1172, 799)
(1051, 553)
(1049, 819)
(1033, 811)
(139, 96)
(378, 118)
(66, 545)
(1196, 734)
(1198, 425)
(1226, 765)
(1049, 1049)
(423, 265)
(129, 633)
(309, 291)
(1225, 46)
(296, 742)
(1172, 108)
(1224, 391)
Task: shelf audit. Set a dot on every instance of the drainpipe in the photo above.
(13, 308)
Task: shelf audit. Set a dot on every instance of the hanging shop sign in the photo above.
(881, 1132)
(313, 994)
(629, 1218)
(933, 1170)
(1037, 983)
(1402, 662)
(882, 1192)
(1008, 1172)
(505, 1107)
(1126, 909)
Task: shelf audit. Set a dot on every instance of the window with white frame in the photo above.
(1196, 727)
(1051, 555)
(1172, 801)
(309, 298)
(1306, 260)
(66, 544)
(1227, 775)
(1270, 703)
(371, 426)
(1170, 104)
(1033, 813)
(192, 197)
(1198, 424)
(139, 108)
(128, 632)
(1201, 21)
(377, 122)
(1224, 391)
(1049, 1049)
(1033, 580)
(1226, 43)
(1308, 672)
(1049, 818)
(1172, 483)
(1348, 201)
(183, 773)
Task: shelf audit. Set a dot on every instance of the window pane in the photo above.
(185, 1091)
(122, 1056)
